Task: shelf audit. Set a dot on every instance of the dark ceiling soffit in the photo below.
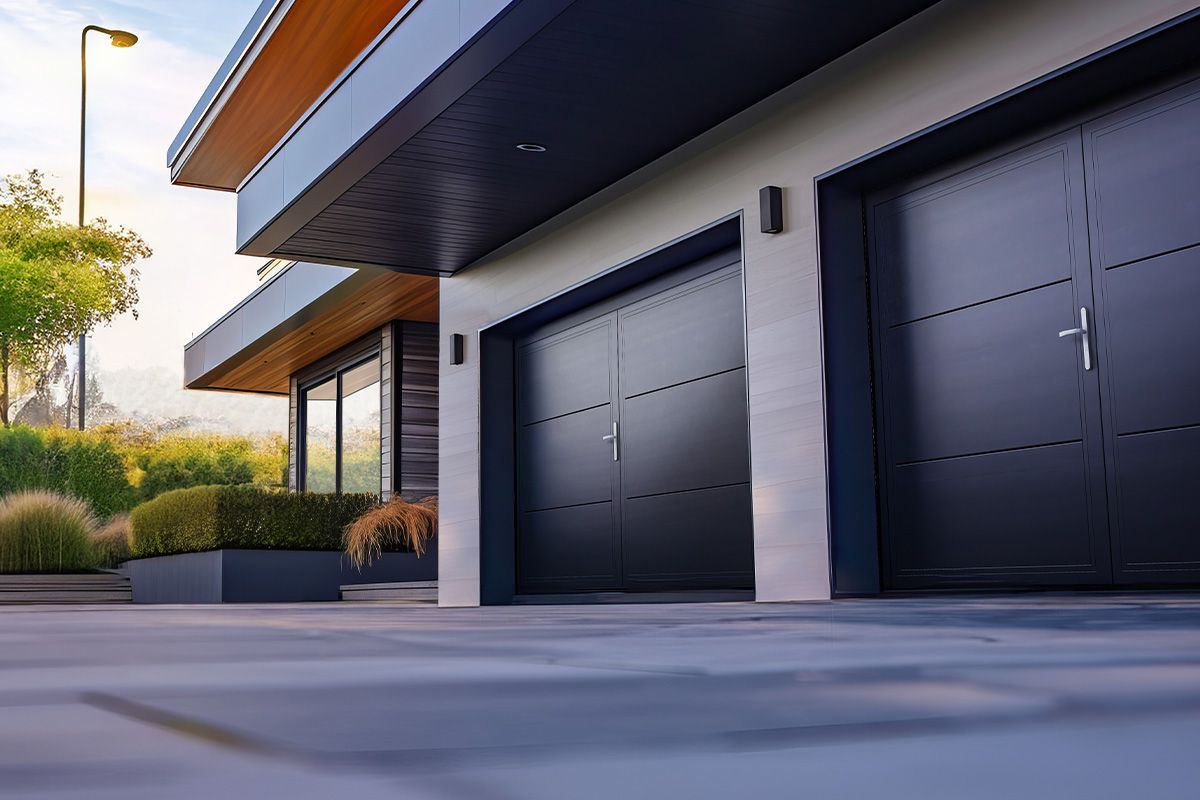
(328, 220)
(238, 51)
(323, 304)
(514, 26)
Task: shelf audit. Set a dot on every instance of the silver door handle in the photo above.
(615, 438)
(1082, 331)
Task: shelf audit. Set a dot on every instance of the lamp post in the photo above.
(117, 39)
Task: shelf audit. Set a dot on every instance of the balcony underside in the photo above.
(301, 316)
(606, 86)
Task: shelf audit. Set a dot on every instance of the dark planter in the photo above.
(265, 576)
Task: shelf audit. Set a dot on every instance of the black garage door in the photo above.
(1016, 448)
(632, 454)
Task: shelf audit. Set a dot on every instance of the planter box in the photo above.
(265, 576)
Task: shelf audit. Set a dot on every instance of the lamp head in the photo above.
(122, 38)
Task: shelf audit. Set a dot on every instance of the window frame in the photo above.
(335, 366)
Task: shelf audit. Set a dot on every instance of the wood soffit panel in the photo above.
(376, 299)
(312, 46)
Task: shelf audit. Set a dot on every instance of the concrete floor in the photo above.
(1026, 696)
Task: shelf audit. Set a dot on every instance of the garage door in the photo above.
(632, 457)
(1037, 370)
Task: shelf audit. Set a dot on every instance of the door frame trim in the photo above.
(497, 395)
(1088, 88)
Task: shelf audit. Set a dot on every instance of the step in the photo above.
(107, 587)
(420, 592)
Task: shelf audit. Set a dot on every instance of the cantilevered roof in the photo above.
(302, 313)
(410, 160)
(288, 54)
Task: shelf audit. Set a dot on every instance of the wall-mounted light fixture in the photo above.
(458, 348)
(770, 209)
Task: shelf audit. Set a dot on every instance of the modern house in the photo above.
(815, 299)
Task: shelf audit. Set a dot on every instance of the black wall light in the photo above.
(770, 209)
(458, 348)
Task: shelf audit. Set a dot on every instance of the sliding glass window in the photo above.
(341, 430)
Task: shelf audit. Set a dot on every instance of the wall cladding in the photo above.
(415, 461)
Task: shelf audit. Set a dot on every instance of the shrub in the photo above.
(111, 543)
(394, 525)
(45, 532)
(242, 517)
(76, 463)
(179, 462)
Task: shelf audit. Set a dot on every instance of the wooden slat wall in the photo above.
(387, 338)
(417, 409)
(293, 434)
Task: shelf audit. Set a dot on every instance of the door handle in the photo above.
(615, 438)
(1081, 331)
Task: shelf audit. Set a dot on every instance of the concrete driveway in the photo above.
(1039, 695)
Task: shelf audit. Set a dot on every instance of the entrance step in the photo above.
(81, 589)
(422, 592)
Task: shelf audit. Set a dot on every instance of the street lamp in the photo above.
(116, 39)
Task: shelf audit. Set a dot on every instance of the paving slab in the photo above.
(1034, 695)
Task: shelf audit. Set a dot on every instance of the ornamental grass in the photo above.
(394, 525)
(44, 531)
(111, 543)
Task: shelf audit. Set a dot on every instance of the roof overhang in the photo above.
(410, 161)
(285, 58)
(302, 313)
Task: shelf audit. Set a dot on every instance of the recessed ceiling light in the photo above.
(530, 147)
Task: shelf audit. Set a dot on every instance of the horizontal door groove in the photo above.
(985, 453)
(685, 491)
(567, 505)
(685, 383)
(565, 414)
(1152, 256)
(1167, 429)
(895, 325)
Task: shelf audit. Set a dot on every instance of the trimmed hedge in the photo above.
(69, 462)
(244, 518)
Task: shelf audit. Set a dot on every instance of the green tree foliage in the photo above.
(57, 281)
(115, 466)
(77, 464)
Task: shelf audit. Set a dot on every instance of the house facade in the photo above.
(808, 299)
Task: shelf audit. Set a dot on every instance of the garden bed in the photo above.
(266, 576)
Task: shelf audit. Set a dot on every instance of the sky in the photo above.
(138, 99)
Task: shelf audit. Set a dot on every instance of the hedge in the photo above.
(242, 517)
(72, 463)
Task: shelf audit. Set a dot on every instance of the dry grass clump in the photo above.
(111, 542)
(45, 532)
(394, 525)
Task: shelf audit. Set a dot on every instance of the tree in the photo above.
(57, 281)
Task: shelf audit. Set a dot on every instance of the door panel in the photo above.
(691, 436)
(692, 539)
(948, 373)
(965, 241)
(991, 451)
(1144, 174)
(566, 373)
(1152, 329)
(1157, 475)
(564, 463)
(1144, 168)
(684, 336)
(983, 519)
(569, 549)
